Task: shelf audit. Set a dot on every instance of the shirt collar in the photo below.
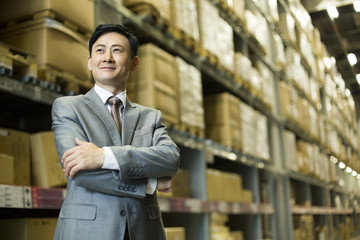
(105, 94)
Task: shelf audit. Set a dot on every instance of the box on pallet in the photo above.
(180, 185)
(175, 233)
(223, 119)
(6, 169)
(45, 164)
(223, 186)
(52, 43)
(218, 40)
(184, 17)
(17, 144)
(28, 228)
(80, 12)
(155, 82)
(190, 95)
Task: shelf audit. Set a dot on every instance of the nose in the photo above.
(108, 57)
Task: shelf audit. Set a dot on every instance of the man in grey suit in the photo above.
(113, 167)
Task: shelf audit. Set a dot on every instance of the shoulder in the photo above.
(69, 99)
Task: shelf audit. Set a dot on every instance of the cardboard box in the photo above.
(45, 163)
(80, 12)
(17, 144)
(237, 235)
(6, 169)
(47, 40)
(175, 233)
(191, 97)
(180, 185)
(155, 82)
(246, 196)
(223, 119)
(28, 228)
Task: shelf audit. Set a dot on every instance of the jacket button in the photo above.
(122, 212)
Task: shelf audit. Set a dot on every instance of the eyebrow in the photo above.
(103, 45)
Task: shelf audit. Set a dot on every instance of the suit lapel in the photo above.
(97, 106)
(130, 119)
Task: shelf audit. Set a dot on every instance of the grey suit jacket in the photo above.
(99, 203)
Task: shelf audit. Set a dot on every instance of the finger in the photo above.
(67, 153)
(69, 162)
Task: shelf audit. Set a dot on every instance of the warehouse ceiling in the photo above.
(340, 36)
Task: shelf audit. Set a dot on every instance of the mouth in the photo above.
(107, 68)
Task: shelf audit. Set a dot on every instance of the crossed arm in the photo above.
(82, 160)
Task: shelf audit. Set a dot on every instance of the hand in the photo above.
(164, 184)
(84, 156)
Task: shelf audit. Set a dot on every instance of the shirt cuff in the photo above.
(110, 160)
(151, 186)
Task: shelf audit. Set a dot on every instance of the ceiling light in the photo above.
(347, 92)
(332, 11)
(348, 170)
(354, 173)
(352, 59)
(357, 6)
(342, 165)
(358, 78)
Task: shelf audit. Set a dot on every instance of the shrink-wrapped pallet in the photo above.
(191, 97)
(184, 16)
(217, 39)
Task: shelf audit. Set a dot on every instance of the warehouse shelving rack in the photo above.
(271, 214)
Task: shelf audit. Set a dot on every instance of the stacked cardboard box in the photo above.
(290, 150)
(45, 163)
(256, 24)
(180, 185)
(184, 16)
(6, 169)
(223, 119)
(155, 82)
(16, 147)
(219, 230)
(217, 39)
(303, 227)
(191, 97)
(48, 44)
(28, 228)
(225, 186)
(175, 233)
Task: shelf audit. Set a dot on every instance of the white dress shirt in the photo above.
(110, 160)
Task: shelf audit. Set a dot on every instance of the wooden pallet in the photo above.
(17, 64)
(208, 56)
(226, 72)
(68, 83)
(150, 14)
(192, 130)
(186, 40)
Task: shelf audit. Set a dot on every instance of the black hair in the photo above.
(118, 28)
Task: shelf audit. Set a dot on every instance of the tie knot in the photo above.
(114, 101)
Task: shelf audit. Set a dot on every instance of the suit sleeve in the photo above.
(161, 159)
(66, 127)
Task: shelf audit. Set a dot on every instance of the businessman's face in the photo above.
(111, 61)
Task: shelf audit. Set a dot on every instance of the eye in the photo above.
(117, 50)
(99, 50)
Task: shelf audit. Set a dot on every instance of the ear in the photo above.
(134, 63)
(89, 63)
